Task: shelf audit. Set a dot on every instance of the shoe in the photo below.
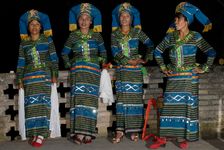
(118, 137)
(134, 137)
(160, 142)
(78, 139)
(38, 142)
(87, 140)
(183, 145)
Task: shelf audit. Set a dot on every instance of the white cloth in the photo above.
(106, 93)
(22, 129)
(54, 116)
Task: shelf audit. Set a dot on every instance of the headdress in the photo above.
(125, 7)
(89, 9)
(190, 11)
(34, 15)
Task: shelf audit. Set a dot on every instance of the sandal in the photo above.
(87, 140)
(77, 139)
(134, 137)
(118, 137)
(160, 142)
(183, 145)
(38, 142)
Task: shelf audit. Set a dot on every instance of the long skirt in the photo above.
(37, 87)
(85, 79)
(129, 102)
(179, 115)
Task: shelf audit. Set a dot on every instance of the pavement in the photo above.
(103, 143)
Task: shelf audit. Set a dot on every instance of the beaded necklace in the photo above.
(84, 44)
(124, 42)
(35, 54)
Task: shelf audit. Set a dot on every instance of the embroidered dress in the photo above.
(87, 52)
(129, 79)
(179, 116)
(37, 64)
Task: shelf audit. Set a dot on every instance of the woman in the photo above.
(87, 49)
(179, 116)
(37, 68)
(129, 78)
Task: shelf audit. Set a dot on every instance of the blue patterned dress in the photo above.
(129, 79)
(179, 115)
(87, 52)
(37, 65)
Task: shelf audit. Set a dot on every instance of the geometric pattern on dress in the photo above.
(182, 97)
(39, 99)
(128, 87)
(85, 89)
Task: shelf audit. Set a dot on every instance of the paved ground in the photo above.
(105, 144)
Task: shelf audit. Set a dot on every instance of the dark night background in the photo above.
(156, 16)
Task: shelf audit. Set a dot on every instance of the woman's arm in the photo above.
(67, 50)
(20, 67)
(159, 51)
(54, 60)
(208, 50)
(101, 48)
(149, 44)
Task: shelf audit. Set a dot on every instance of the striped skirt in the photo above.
(37, 87)
(85, 79)
(129, 103)
(179, 115)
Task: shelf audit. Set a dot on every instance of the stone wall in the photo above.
(211, 110)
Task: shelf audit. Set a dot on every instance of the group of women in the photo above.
(84, 53)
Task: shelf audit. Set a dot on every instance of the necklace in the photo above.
(125, 44)
(84, 44)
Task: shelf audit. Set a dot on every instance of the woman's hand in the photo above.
(20, 86)
(107, 66)
(167, 72)
(141, 61)
(198, 70)
(54, 80)
(135, 62)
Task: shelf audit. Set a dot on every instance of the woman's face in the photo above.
(125, 19)
(84, 21)
(34, 27)
(180, 23)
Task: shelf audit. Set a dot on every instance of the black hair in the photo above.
(179, 15)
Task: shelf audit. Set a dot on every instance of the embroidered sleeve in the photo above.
(67, 50)
(53, 58)
(149, 44)
(208, 50)
(101, 48)
(158, 52)
(20, 66)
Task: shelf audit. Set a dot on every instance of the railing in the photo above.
(211, 110)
